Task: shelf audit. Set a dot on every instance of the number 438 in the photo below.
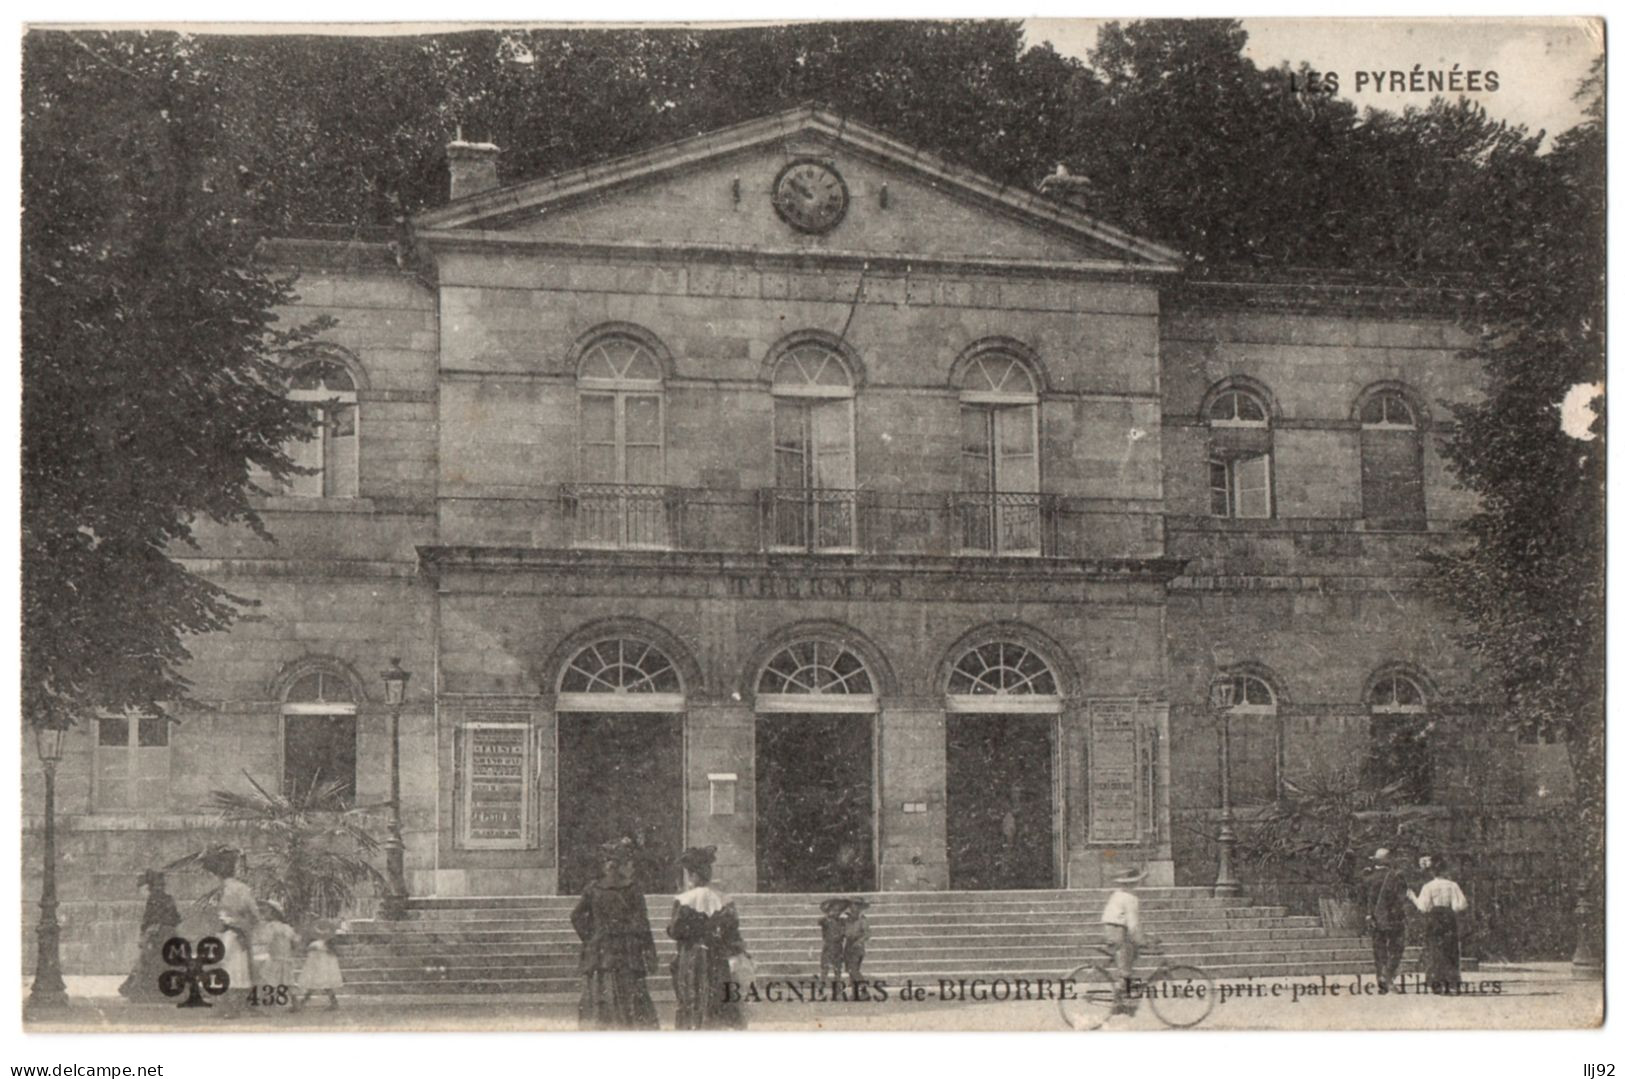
(270, 996)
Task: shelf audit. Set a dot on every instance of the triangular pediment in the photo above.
(727, 189)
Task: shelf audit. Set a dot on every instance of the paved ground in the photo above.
(1534, 996)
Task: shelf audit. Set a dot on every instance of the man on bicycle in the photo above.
(1121, 921)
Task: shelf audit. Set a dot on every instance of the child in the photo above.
(845, 933)
(857, 936)
(274, 943)
(321, 972)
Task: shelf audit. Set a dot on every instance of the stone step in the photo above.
(1096, 895)
(1011, 936)
(566, 989)
(876, 919)
(807, 959)
(516, 936)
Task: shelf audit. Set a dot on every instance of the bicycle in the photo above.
(1180, 994)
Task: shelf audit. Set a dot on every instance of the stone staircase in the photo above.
(524, 944)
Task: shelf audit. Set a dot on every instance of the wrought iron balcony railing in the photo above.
(812, 519)
(821, 521)
(625, 515)
(1003, 523)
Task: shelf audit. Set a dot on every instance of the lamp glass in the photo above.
(1224, 693)
(395, 680)
(49, 741)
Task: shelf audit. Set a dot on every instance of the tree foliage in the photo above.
(150, 387)
(1531, 585)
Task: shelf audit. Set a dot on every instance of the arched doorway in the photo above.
(620, 754)
(815, 738)
(1002, 703)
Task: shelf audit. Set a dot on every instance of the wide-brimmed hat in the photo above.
(1132, 876)
(275, 908)
(698, 859)
(1381, 854)
(221, 861)
(834, 906)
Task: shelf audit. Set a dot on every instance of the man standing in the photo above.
(1385, 904)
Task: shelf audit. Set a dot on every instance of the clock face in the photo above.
(810, 196)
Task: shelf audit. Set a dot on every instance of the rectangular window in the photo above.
(813, 505)
(332, 452)
(131, 763)
(999, 510)
(1240, 486)
(1391, 478)
(318, 749)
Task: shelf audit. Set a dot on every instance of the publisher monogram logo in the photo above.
(195, 973)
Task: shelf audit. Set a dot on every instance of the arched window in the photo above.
(1391, 489)
(1002, 675)
(620, 674)
(620, 501)
(815, 676)
(1240, 451)
(1256, 737)
(813, 504)
(1400, 758)
(998, 505)
(319, 735)
(332, 453)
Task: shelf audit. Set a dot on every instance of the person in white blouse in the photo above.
(1440, 901)
(1121, 921)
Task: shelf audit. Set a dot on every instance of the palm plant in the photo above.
(311, 848)
(1322, 831)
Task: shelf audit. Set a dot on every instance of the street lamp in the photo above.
(393, 907)
(49, 993)
(1222, 700)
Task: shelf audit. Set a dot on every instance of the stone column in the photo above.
(722, 741)
(912, 747)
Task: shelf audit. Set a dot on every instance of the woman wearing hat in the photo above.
(239, 914)
(158, 922)
(705, 926)
(617, 947)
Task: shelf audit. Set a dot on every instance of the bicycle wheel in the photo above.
(1181, 995)
(1087, 1001)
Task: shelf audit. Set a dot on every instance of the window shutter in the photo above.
(1391, 478)
(1252, 480)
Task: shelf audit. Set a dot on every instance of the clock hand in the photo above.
(802, 189)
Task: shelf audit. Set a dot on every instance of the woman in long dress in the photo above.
(705, 925)
(617, 947)
(239, 914)
(158, 922)
(1440, 900)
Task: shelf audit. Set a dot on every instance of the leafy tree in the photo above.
(1531, 584)
(149, 384)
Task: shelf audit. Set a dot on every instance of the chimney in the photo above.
(1061, 185)
(473, 167)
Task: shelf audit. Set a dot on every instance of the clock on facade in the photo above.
(810, 195)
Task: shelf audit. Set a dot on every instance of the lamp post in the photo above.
(1223, 699)
(49, 993)
(393, 907)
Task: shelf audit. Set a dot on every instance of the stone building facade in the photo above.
(789, 490)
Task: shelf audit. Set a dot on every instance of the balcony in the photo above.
(780, 520)
(622, 515)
